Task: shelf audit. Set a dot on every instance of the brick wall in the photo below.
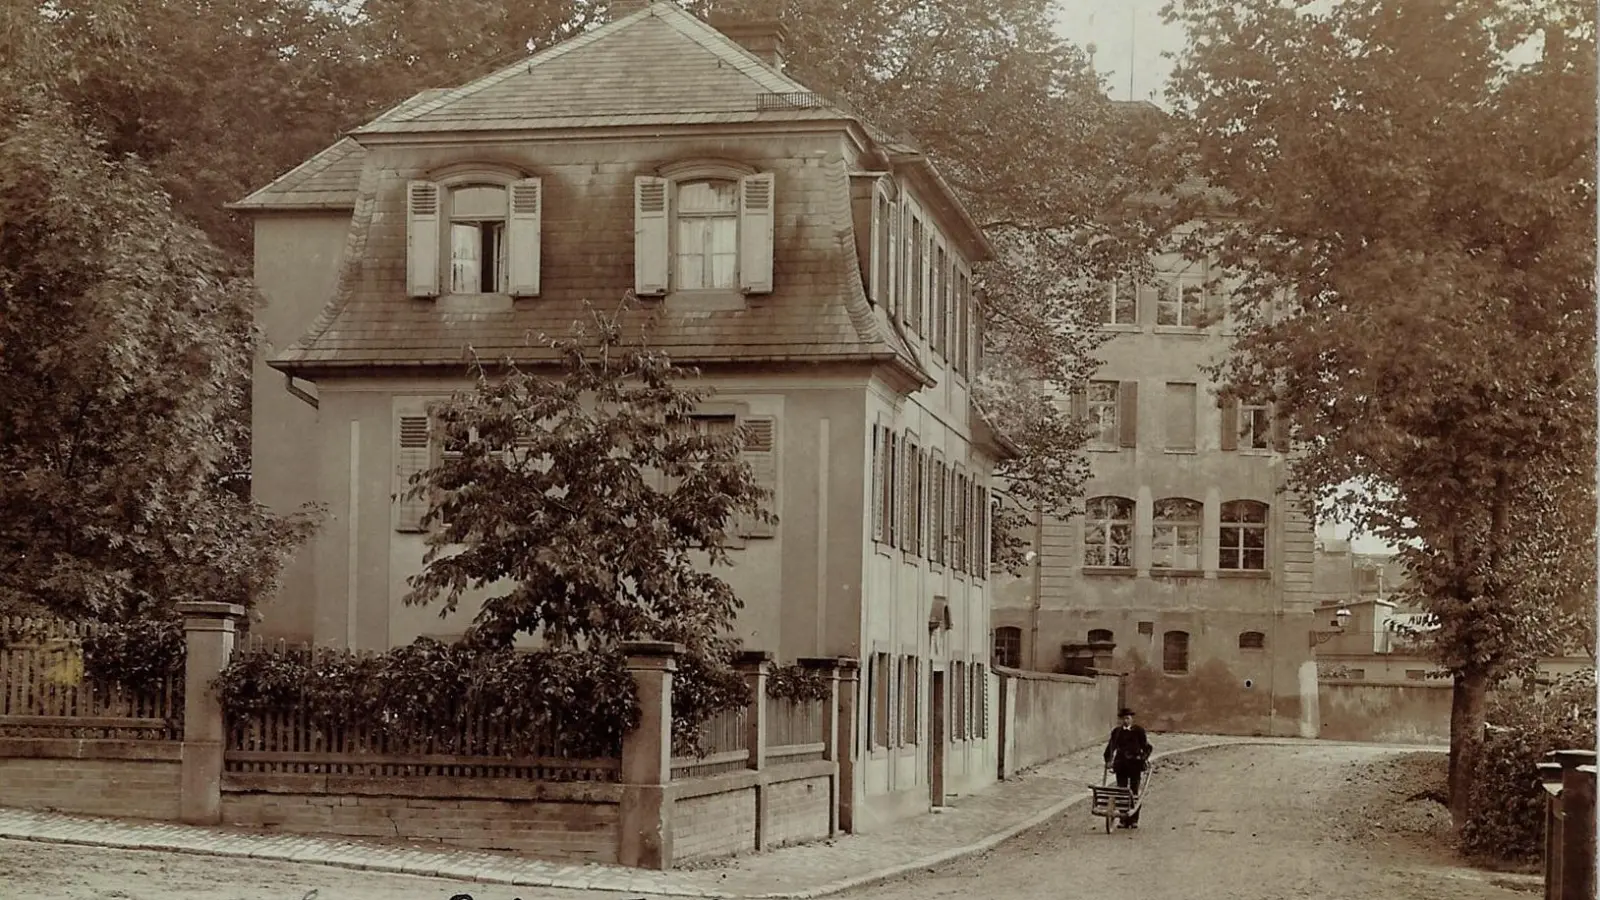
(797, 811)
(132, 779)
(559, 821)
(714, 825)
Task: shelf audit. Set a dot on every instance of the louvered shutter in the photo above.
(411, 457)
(892, 289)
(650, 236)
(892, 500)
(761, 453)
(1230, 424)
(877, 482)
(1128, 414)
(1280, 432)
(522, 236)
(876, 274)
(755, 233)
(423, 244)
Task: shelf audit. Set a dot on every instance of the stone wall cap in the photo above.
(752, 657)
(652, 648)
(824, 663)
(214, 608)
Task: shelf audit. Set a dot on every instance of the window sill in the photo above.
(1104, 448)
(1185, 330)
(1109, 571)
(705, 301)
(1258, 574)
(1177, 573)
(474, 303)
(1255, 452)
(1121, 328)
(1181, 451)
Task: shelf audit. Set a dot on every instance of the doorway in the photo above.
(936, 736)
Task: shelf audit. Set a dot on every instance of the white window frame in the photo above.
(1097, 410)
(1108, 524)
(1250, 439)
(1175, 530)
(1236, 530)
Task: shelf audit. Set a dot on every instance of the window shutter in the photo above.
(1080, 404)
(411, 457)
(650, 254)
(878, 449)
(1280, 432)
(761, 453)
(1230, 424)
(875, 265)
(755, 233)
(522, 236)
(423, 245)
(1128, 413)
(892, 289)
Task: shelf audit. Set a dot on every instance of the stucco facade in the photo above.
(1187, 554)
(848, 335)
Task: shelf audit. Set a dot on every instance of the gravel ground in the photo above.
(1331, 822)
(1238, 823)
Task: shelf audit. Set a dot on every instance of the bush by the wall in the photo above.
(140, 655)
(564, 702)
(795, 682)
(1506, 818)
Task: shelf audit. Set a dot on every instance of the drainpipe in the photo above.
(298, 392)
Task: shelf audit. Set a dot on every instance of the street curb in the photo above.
(473, 872)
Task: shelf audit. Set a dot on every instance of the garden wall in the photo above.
(1414, 713)
(129, 779)
(551, 820)
(1046, 716)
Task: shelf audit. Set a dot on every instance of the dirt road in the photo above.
(1241, 823)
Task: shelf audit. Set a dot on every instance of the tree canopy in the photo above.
(1407, 190)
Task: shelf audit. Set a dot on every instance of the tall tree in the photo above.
(122, 344)
(1408, 191)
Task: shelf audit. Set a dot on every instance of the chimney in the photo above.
(763, 37)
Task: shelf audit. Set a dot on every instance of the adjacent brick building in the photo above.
(817, 270)
(1187, 555)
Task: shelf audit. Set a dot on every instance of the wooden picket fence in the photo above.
(44, 694)
(480, 746)
(724, 744)
(796, 730)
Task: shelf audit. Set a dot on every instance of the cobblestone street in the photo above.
(1281, 820)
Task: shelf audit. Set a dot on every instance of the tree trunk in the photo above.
(1468, 703)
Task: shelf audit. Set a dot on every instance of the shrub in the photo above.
(798, 683)
(1506, 813)
(139, 656)
(448, 698)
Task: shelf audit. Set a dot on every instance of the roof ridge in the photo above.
(555, 51)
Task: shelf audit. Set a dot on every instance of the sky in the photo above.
(1129, 38)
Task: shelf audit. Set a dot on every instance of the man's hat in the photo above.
(1124, 712)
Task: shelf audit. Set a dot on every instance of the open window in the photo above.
(473, 234)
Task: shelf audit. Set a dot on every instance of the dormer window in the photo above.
(473, 234)
(703, 226)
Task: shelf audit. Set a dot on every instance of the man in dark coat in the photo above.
(1127, 754)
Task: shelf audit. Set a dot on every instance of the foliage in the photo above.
(432, 694)
(139, 655)
(592, 510)
(1506, 821)
(798, 683)
(1411, 211)
(121, 327)
(703, 686)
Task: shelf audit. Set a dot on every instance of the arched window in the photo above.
(1101, 636)
(1108, 532)
(1175, 652)
(1252, 640)
(1175, 534)
(1008, 647)
(1243, 538)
